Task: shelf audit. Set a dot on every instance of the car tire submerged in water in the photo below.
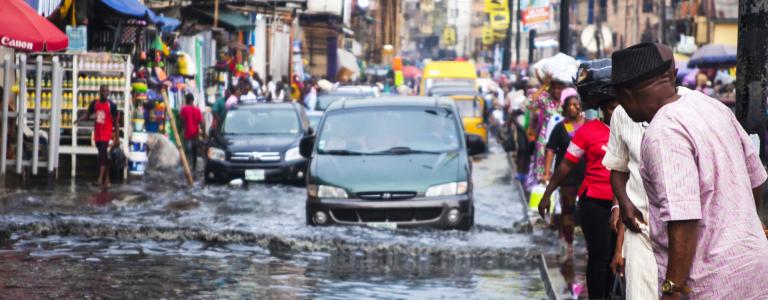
(467, 223)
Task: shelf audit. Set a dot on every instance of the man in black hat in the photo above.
(703, 178)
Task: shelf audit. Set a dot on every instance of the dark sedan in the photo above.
(259, 142)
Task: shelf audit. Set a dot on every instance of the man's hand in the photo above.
(544, 204)
(544, 179)
(615, 219)
(617, 265)
(630, 213)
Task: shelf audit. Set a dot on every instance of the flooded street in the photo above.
(157, 239)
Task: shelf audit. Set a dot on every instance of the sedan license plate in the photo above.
(255, 175)
(384, 225)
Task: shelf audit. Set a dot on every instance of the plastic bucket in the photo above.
(137, 163)
(537, 192)
(138, 124)
(138, 142)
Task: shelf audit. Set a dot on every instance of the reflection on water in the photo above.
(76, 268)
(156, 238)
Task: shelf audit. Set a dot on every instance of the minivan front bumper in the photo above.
(416, 212)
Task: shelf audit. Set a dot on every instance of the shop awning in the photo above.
(227, 18)
(22, 28)
(131, 8)
(167, 23)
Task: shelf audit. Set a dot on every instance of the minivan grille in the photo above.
(363, 215)
(386, 195)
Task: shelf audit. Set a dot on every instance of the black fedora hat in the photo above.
(640, 62)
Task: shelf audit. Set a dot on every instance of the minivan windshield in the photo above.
(391, 131)
(261, 122)
(325, 100)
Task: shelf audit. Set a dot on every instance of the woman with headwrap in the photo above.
(541, 109)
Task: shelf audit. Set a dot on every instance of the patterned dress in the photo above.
(544, 108)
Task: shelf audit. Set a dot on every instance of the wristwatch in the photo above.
(668, 287)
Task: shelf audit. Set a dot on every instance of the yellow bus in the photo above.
(448, 73)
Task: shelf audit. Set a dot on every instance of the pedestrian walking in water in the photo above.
(105, 128)
(557, 145)
(193, 127)
(596, 202)
(704, 180)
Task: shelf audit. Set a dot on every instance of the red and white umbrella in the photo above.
(23, 29)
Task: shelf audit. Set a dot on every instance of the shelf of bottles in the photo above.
(89, 72)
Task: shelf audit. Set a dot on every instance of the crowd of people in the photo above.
(664, 182)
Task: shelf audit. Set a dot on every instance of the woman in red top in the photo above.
(595, 194)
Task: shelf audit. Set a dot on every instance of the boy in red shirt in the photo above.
(105, 127)
(193, 127)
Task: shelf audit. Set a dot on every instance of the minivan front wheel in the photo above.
(467, 223)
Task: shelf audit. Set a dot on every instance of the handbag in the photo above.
(618, 290)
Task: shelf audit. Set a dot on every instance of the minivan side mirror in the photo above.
(306, 145)
(475, 144)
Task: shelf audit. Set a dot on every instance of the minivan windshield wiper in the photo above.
(405, 150)
(341, 152)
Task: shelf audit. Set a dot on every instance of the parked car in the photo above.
(391, 162)
(259, 143)
(345, 92)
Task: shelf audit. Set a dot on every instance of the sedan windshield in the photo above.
(396, 131)
(261, 122)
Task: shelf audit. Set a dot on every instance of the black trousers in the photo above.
(103, 157)
(601, 244)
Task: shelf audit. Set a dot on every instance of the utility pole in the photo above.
(565, 28)
(517, 36)
(531, 45)
(752, 69)
(508, 40)
(663, 22)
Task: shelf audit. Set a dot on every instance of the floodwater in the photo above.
(155, 238)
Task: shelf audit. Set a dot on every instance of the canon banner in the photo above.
(13, 43)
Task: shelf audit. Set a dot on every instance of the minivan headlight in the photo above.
(216, 154)
(293, 154)
(326, 191)
(447, 189)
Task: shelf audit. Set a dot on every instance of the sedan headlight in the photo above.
(293, 154)
(216, 154)
(447, 189)
(325, 191)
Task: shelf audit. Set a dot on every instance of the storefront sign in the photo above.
(535, 16)
(78, 39)
(13, 43)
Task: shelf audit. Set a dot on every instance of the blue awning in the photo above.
(131, 8)
(167, 23)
